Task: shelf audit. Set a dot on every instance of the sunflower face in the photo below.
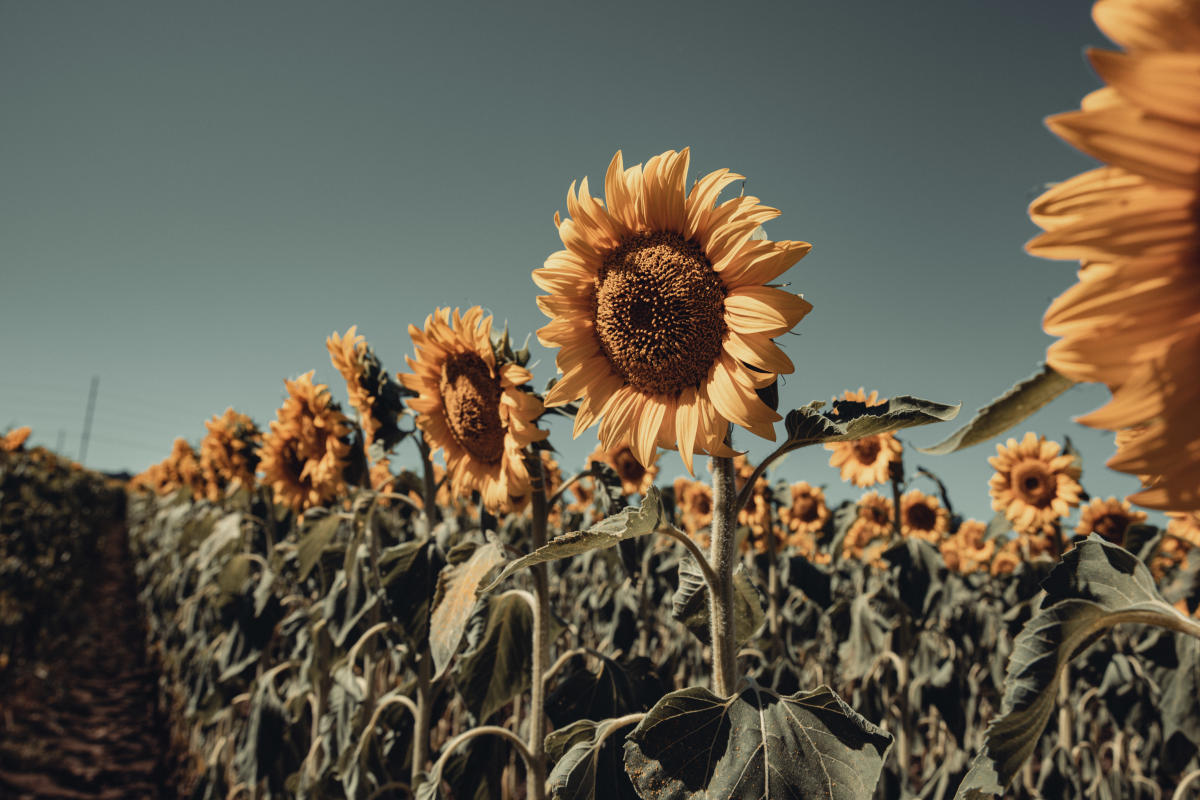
(1131, 322)
(471, 408)
(865, 462)
(1110, 518)
(635, 478)
(967, 551)
(228, 453)
(1034, 484)
(694, 499)
(662, 313)
(808, 511)
(874, 522)
(923, 517)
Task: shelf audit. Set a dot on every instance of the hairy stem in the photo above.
(721, 594)
(432, 512)
(536, 780)
(423, 718)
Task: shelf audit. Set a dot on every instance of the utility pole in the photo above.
(87, 418)
(62, 440)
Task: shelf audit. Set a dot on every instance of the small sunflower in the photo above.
(470, 406)
(228, 454)
(1008, 559)
(808, 511)
(305, 454)
(635, 478)
(874, 521)
(1034, 484)
(14, 440)
(662, 306)
(923, 517)
(1110, 518)
(865, 462)
(1131, 321)
(176, 471)
(967, 550)
(694, 499)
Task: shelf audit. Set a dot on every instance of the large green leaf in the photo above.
(586, 764)
(849, 420)
(313, 540)
(457, 591)
(755, 745)
(689, 604)
(628, 524)
(1096, 586)
(497, 669)
(1007, 410)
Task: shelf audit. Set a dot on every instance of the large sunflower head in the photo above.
(867, 461)
(661, 305)
(305, 454)
(470, 406)
(635, 478)
(808, 511)
(1110, 518)
(228, 453)
(1035, 484)
(923, 517)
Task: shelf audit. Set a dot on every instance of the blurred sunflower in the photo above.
(663, 311)
(1133, 319)
(694, 500)
(808, 511)
(1182, 535)
(471, 408)
(967, 550)
(923, 517)
(1034, 484)
(874, 521)
(1008, 559)
(14, 440)
(228, 456)
(304, 455)
(865, 462)
(1110, 518)
(635, 478)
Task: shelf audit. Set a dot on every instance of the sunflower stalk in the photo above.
(724, 654)
(429, 484)
(536, 781)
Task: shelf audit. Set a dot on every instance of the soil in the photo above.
(82, 721)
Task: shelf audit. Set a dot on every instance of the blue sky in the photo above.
(195, 196)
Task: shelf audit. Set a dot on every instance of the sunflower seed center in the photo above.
(921, 517)
(660, 313)
(471, 396)
(1034, 484)
(867, 450)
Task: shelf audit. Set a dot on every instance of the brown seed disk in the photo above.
(660, 313)
(867, 450)
(471, 396)
(1033, 483)
(921, 517)
(805, 508)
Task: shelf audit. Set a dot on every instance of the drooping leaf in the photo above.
(851, 420)
(1095, 586)
(689, 604)
(409, 572)
(1007, 410)
(456, 595)
(497, 669)
(628, 524)
(755, 745)
(313, 540)
(587, 762)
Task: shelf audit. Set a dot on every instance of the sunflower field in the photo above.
(402, 590)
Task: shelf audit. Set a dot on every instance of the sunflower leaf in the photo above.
(851, 420)
(1095, 586)
(1024, 398)
(583, 762)
(457, 590)
(630, 523)
(756, 744)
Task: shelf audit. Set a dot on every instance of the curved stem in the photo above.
(690, 545)
(748, 490)
(485, 730)
(720, 596)
(554, 498)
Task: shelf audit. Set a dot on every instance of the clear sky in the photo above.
(193, 196)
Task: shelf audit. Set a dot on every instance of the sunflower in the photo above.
(967, 550)
(14, 440)
(304, 455)
(1034, 485)
(808, 511)
(470, 406)
(1008, 559)
(867, 461)
(694, 499)
(176, 471)
(1133, 319)
(874, 521)
(227, 453)
(1110, 518)
(635, 478)
(923, 517)
(663, 311)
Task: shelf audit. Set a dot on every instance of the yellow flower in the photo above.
(874, 522)
(228, 454)
(865, 462)
(471, 408)
(1133, 319)
(663, 311)
(635, 478)
(923, 517)
(1008, 559)
(14, 440)
(967, 551)
(1034, 485)
(808, 512)
(694, 499)
(304, 455)
(1110, 518)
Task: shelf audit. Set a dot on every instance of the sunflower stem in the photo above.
(536, 780)
(722, 556)
(431, 509)
(423, 721)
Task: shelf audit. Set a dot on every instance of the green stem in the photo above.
(536, 781)
(432, 513)
(423, 719)
(721, 594)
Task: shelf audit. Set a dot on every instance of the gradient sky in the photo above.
(193, 196)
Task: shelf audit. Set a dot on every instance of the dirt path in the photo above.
(83, 725)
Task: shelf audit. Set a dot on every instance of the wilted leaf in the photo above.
(457, 591)
(497, 669)
(313, 541)
(608, 532)
(689, 604)
(1096, 586)
(755, 745)
(1007, 410)
(851, 420)
(586, 765)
